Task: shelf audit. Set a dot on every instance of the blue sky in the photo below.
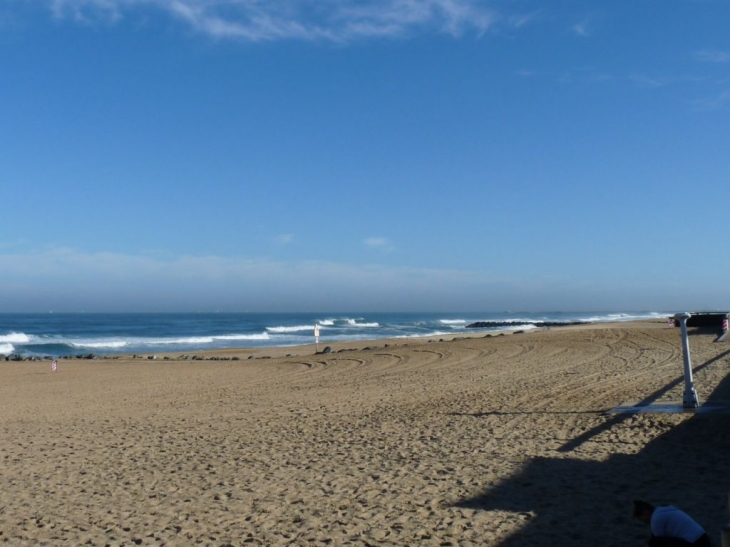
(450, 155)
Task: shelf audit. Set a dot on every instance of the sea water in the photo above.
(63, 334)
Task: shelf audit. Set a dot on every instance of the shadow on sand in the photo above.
(567, 501)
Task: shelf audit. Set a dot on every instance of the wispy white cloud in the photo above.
(644, 80)
(67, 277)
(593, 75)
(334, 20)
(581, 29)
(88, 10)
(721, 100)
(522, 19)
(713, 56)
(379, 243)
(284, 239)
(524, 73)
(59, 264)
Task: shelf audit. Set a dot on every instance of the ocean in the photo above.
(68, 334)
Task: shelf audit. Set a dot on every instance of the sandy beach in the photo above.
(481, 440)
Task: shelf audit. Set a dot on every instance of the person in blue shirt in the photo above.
(670, 527)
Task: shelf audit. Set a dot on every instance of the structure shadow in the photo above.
(654, 397)
(566, 501)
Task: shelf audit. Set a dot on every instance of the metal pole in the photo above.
(689, 399)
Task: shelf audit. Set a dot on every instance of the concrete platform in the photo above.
(671, 407)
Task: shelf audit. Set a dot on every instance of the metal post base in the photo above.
(690, 399)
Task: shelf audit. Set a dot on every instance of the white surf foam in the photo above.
(619, 317)
(296, 328)
(14, 338)
(354, 323)
(180, 341)
(262, 336)
(6, 349)
(106, 344)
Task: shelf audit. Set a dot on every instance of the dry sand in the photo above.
(498, 440)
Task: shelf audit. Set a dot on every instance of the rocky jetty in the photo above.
(18, 357)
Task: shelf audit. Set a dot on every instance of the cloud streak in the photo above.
(720, 101)
(581, 29)
(714, 56)
(61, 264)
(330, 20)
(379, 243)
(65, 278)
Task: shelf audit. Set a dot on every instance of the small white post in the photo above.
(689, 399)
(316, 337)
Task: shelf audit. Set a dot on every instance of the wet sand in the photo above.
(499, 440)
